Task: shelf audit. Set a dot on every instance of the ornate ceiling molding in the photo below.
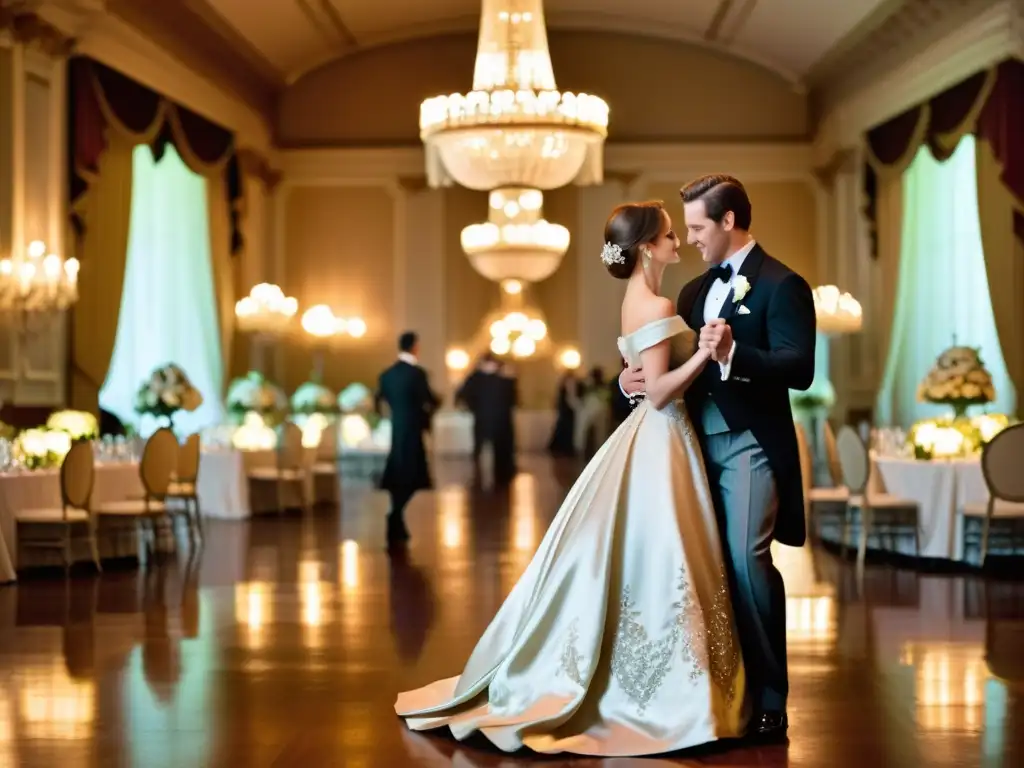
(568, 22)
(937, 56)
(32, 30)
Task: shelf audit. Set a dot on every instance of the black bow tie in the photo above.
(721, 272)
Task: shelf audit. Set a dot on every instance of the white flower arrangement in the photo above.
(958, 379)
(167, 391)
(313, 398)
(81, 425)
(41, 448)
(955, 438)
(356, 398)
(253, 393)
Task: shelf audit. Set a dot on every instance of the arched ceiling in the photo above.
(287, 38)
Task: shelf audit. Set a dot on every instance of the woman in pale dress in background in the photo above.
(618, 639)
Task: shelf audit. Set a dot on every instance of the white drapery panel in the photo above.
(943, 291)
(168, 306)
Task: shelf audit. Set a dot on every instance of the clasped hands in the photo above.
(715, 337)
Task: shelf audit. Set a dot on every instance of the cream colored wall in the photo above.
(358, 231)
(658, 90)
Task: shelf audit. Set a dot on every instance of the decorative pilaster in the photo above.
(33, 198)
(420, 274)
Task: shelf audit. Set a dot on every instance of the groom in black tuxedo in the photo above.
(757, 318)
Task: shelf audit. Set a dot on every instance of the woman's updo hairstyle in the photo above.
(630, 226)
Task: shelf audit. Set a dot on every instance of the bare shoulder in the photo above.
(638, 311)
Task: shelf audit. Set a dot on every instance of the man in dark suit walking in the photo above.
(406, 390)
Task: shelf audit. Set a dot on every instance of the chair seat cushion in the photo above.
(132, 507)
(325, 468)
(54, 515)
(177, 488)
(1003, 509)
(884, 501)
(274, 473)
(829, 494)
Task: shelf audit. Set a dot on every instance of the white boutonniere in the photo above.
(740, 288)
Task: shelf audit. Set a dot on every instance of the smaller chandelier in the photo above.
(517, 333)
(265, 311)
(38, 283)
(515, 243)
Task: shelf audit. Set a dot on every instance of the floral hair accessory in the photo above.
(612, 254)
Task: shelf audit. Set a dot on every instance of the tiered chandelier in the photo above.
(37, 284)
(514, 129)
(515, 242)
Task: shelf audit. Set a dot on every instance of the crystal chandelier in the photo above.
(514, 128)
(266, 311)
(37, 283)
(517, 328)
(515, 242)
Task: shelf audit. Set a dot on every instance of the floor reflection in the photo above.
(286, 640)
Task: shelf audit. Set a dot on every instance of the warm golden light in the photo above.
(254, 434)
(355, 430)
(319, 321)
(54, 707)
(355, 327)
(349, 568)
(456, 359)
(266, 310)
(570, 359)
(38, 282)
(512, 287)
(949, 684)
(837, 312)
(810, 620)
(252, 610)
(452, 515)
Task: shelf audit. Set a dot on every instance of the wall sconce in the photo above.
(456, 359)
(265, 313)
(570, 359)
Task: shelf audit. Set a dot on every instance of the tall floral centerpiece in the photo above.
(958, 379)
(254, 393)
(167, 391)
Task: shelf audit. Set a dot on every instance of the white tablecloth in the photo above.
(941, 489)
(41, 489)
(225, 491)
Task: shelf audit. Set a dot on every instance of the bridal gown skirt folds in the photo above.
(619, 637)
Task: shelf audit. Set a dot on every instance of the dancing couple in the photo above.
(651, 618)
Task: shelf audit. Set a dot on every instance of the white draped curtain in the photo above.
(169, 311)
(942, 292)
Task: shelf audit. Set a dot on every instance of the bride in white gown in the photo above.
(618, 639)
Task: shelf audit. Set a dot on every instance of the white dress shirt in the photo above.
(719, 292)
(405, 357)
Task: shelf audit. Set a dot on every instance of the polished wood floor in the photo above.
(284, 641)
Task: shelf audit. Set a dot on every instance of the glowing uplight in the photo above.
(457, 359)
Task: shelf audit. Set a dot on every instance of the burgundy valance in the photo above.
(102, 99)
(989, 104)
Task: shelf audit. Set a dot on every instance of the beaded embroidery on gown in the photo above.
(618, 639)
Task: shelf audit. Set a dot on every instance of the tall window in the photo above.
(943, 286)
(168, 307)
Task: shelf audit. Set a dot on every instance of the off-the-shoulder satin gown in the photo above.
(618, 639)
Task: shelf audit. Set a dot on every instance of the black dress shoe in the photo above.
(770, 724)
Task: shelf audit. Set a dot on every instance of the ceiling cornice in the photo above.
(568, 22)
(193, 33)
